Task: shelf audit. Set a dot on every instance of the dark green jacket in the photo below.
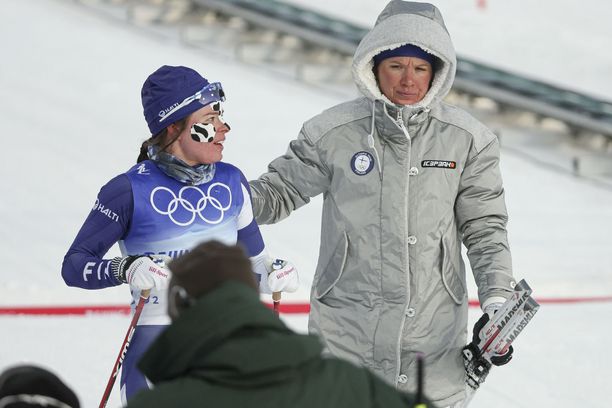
(229, 350)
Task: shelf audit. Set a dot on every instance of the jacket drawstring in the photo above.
(371, 135)
(417, 113)
(371, 140)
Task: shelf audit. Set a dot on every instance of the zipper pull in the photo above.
(400, 120)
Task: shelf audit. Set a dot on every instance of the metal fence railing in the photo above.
(577, 110)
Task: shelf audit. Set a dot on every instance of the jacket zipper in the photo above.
(400, 124)
(371, 144)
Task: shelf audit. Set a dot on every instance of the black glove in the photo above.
(497, 360)
(120, 265)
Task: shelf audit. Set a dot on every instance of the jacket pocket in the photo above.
(331, 274)
(451, 278)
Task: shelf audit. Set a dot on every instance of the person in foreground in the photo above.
(178, 194)
(225, 348)
(30, 386)
(406, 179)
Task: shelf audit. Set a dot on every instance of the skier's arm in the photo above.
(107, 223)
(291, 180)
(249, 235)
(481, 213)
(285, 276)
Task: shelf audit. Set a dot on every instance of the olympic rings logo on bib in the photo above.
(191, 202)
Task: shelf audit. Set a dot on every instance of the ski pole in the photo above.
(420, 381)
(144, 296)
(276, 297)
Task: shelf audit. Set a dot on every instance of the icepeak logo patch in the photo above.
(439, 164)
(362, 163)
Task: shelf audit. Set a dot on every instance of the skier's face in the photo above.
(404, 80)
(201, 141)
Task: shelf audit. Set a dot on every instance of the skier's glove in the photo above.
(497, 360)
(141, 272)
(282, 277)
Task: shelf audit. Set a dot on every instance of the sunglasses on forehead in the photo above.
(207, 95)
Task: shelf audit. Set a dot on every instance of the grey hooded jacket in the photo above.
(403, 187)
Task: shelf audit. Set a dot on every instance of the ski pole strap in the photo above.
(498, 333)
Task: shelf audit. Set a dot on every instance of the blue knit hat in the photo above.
(406, 50)
(164, 96)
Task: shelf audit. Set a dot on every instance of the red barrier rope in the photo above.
(284, 307)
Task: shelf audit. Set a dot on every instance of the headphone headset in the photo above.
(178, 300)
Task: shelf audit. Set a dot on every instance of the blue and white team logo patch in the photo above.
(142, 169)
(362, 163)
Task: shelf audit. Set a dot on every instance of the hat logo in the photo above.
(362, 163)
(164, 112)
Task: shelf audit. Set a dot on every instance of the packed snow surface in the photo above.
(71, 119)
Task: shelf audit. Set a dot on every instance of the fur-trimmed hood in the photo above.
(404, 22)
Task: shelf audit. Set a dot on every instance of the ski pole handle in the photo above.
(420, 357)
(276, 297)
(144, 296)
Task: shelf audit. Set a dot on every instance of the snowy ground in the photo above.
(71, 117)
(561, 359)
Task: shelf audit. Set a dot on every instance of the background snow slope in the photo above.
(71, 120)
(563, 42)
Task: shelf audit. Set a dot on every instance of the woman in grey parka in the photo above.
(406, 179)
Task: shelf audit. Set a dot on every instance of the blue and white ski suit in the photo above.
(147, 212)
